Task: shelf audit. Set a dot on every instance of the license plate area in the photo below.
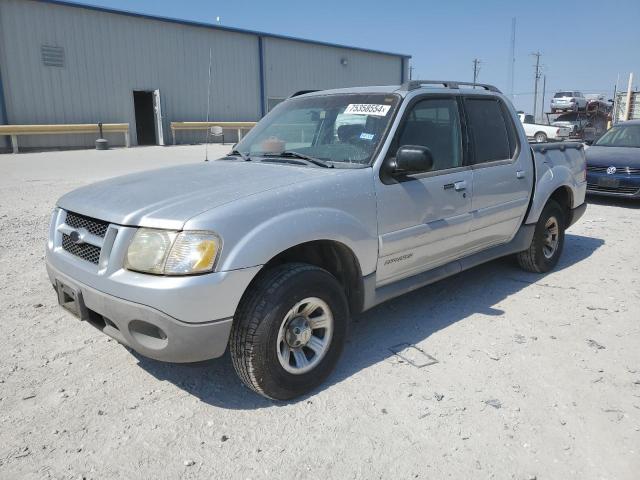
(71, 300)
(609, 182)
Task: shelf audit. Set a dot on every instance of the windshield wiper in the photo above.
(243, 156)
(291, 154)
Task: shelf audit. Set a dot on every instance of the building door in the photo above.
(143, 102)
(157, 109)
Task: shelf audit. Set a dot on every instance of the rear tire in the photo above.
(548, 240)
(540, 137)
(289, 331)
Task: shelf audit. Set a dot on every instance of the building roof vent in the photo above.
(52, 56)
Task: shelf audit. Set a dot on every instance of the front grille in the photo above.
(598, 188)
(85, 251)
(96, 227)
(619, 170)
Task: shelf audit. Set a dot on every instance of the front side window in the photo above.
(341, 129)
(435, 124)
(489, 130)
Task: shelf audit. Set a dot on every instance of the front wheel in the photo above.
(548, 240)
(289, 330)
(540, 137)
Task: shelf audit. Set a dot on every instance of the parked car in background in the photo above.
(270, 250)
(613, 162)
(568, 101)
(597, 103)
(575, 121)
(542, 133)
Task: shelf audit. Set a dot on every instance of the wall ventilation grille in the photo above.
(52, 56)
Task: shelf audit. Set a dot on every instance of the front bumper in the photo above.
(613, 185)
(148, 331)
(171, 318)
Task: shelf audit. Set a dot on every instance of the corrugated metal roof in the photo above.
(214, 26)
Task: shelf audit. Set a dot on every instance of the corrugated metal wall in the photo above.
(292, 66)
(108, 55)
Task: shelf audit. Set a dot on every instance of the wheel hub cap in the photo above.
(551, 237)
(305, 335)
(298, 332)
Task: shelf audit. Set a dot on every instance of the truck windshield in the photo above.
(621, 136)
(341, 129)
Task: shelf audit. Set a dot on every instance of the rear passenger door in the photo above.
(503, 173)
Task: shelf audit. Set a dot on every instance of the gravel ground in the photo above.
(538, 376)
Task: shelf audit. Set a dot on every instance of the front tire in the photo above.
(548, 241)
(289, 331)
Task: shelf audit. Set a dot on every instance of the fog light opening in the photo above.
(148, 335)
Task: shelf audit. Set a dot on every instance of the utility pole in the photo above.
(411, 72)
(627, 111)
(476, 69)
(512, 58)
(535, 86)
(544, 91)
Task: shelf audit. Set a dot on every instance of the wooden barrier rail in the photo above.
(239, 126)
(15, 130)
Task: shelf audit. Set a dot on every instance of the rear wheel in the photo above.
(540, 137)
(548, 240)
(289, 331)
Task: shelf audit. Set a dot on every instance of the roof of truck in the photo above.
(433, 86)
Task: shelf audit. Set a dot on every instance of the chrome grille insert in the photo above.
(85, 251)
(619, 170)
(96, 227)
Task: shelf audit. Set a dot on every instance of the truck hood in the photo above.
(613, 156)
(168, 197)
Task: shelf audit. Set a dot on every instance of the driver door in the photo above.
(424, 219)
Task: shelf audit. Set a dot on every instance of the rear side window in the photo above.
(489, 130)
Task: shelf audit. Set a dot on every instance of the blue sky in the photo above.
(584, 45)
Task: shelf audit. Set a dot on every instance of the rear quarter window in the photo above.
(493, 135)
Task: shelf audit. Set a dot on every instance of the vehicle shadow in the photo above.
(614, 201)
(406, 319)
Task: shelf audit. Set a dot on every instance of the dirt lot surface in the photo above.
(538, 376)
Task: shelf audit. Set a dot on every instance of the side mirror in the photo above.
(412, 159)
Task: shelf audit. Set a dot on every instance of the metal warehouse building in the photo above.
(65, 63)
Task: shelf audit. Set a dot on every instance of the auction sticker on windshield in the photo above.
(367, 109)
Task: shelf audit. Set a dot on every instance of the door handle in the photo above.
(520, 174)
(460, 186)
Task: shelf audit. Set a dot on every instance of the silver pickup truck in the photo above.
(335, 202)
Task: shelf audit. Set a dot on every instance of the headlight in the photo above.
(166, 252)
